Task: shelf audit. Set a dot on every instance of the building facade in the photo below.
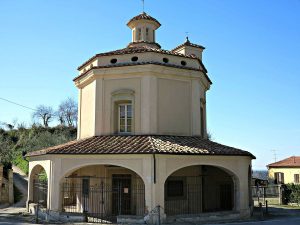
(286, 171)
(142, 139)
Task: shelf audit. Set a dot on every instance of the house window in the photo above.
(279, 178)
(125, 118)
(296, 178)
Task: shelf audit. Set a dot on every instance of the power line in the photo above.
(15, 103)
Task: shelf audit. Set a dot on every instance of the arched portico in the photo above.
(199, 189)
(235, 167)
(103, 191)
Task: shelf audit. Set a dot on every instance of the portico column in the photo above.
(54, 192)
(159, 186)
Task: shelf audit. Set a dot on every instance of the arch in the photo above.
(203, 164)
(38, 185)
(119, 190)
(199, 188)
(37, 168)
(76, 167)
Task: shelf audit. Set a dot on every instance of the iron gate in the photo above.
(40, 192)
(193, 195)
(103, 199)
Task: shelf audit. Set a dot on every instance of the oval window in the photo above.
(113, 61)
(183, 63)
(134, 59)
(165, 60)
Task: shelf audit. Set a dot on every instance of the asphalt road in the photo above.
(281, 221)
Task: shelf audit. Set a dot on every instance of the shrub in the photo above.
(292, 193)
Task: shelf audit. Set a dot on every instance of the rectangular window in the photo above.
(125, 118)
(175, 188)
(147, 34)
(279, 178)
(296, 178)
(139, 34)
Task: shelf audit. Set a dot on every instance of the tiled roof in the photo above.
(144, 16)
(130, 50)
(293, 161)
(188, 43)
(143, 144)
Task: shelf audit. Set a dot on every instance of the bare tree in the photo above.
(61, 117)
(67, 112)
(44, 113)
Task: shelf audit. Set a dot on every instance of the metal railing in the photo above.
(104, 199)
(40, 192)
(196, 195)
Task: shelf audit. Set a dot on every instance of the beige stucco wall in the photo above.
(165, 100)
(60, 166)
(87, 110)
(288, 173)
(174, 106)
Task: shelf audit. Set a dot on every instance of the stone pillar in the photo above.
(10, 186)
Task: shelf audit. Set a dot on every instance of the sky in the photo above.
(252, 56)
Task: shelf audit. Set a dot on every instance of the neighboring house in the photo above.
(142, 139)
(6, 186)
(285, 171)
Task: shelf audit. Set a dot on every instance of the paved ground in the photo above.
(279, 221)
(21, 182)
(13, 214)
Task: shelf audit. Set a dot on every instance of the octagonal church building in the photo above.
(142, 151)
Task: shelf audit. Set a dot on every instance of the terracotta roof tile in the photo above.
(144, 16)
(143, 144)
(188, 43)
(293, 161)
(130, 50)
(141, 49)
